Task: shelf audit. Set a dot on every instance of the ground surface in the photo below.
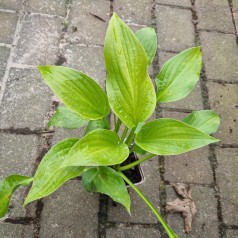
(66, 32)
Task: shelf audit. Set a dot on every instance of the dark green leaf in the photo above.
(7, 187)
(99, 147)
(130, 90)
(206, 121)
(77, 91)
(171, 137)
(148, 39)
(88, 178)
(179, 75)
(97, 124)
(49, 176)
(66, 118)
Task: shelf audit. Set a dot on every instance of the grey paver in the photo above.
(55, 7)
(61, 134)
(227, 181)
(89, 60)
(84, 26)
(235, 13)
(26, 100)
(205, 223)
(8, 230)
(139, 211)
(70, 212)
(7, 26)
(4, 52)
(18, 153)
(138, 12)
(10, 4)
(193, 100)
(232, 234)
(39, 40)
(182, 3)
(214, 15)
(220, 56)
(171, 30)
(131, 232)
(223, 100)
(190, 167)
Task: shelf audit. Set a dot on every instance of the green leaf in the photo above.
(130, 91)
(7, 187)
(205, 120)
(171, 137)
(107, 181)
(88, 178)
(97, 124)
(99, 147)
(148, 39)
(66, 118)
(49, 176)
(138, 150)
(77, 91)
(179, 75)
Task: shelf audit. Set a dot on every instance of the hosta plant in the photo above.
(131, 98)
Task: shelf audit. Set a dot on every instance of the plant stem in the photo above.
(131, 165)
(124, 134)
(118, 125)
(131, 136)
(151, 206)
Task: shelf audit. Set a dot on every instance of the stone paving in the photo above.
(66, 32)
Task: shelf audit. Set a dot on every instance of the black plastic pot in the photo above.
(135, 174)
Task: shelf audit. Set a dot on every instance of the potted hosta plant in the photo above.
(100, 155)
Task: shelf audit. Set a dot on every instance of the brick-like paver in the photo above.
(220, 56)
(214, 15)
(172, 30)
(227, 181)
(4, 51)
(8, 25)
(70, 212)
(26, 101)
(71, 33)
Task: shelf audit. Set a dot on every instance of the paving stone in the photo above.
(61, 134)
(205, 223)
(223, 100)
(227, 177)
(10, 4)
(193, 100)
(235, 12)
(181, 3)
(89, 60)
(39, 39)
(138, 12)
(172, 30)
(214, 15)
(8, 230)
(131, 232)
(84, 25)
(18, 153)
(139, 211)
(26, 100)
(55, 7)
(70, 212)
(7, 27)
(232, 234)
(4, 52)
(220, 56)
(190, 167)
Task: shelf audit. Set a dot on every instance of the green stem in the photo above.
(118, 125)
(131, 165)
(124, 134)
(131, 136)
(151, 206)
